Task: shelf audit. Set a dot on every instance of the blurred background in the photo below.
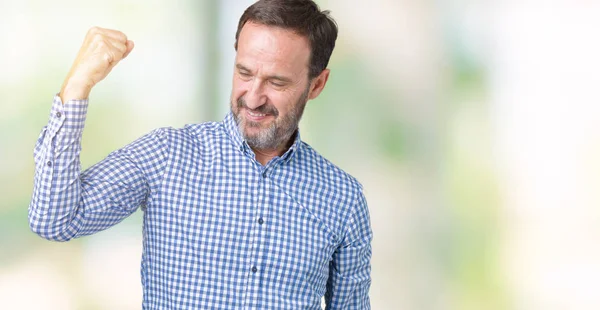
(474, 127)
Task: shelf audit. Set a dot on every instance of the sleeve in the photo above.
(350, 268)
(67, 203)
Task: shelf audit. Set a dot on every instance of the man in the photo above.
(239, 214)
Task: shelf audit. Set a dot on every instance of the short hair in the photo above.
(302, 17)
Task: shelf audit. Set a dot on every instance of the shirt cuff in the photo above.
(68, 117)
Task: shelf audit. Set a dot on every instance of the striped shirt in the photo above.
(220, 230)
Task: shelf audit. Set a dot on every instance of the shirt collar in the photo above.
(233, 131)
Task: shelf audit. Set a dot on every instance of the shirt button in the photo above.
(58, 114)
(254, 269)
(260, 221)
(49, 163)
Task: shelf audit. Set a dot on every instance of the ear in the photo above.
(318, 84)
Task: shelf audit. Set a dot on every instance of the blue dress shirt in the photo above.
(220, 230)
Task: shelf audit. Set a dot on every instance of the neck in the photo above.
(263, 156)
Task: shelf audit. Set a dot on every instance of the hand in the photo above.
(101, 50)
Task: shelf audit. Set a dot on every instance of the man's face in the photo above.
(270, 84)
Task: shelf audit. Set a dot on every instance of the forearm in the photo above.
(68, 203)
(57, 187)
(63, 204)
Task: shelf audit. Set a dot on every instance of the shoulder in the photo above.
(214, 128)
(330, 193)
(326, 190)
(329, 173)
(192, 133)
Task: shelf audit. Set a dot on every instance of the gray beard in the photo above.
(267, 139)
(279, 132)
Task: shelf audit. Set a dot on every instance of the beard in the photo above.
(278, 132)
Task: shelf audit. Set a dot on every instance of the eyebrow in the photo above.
(241, 67)
(270, 77)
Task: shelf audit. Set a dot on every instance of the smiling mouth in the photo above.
(255, 116)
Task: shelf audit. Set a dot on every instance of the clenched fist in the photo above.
(101, 51)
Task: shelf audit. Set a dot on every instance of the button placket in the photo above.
(259, 237)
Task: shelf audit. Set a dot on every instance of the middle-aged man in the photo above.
(239, 214)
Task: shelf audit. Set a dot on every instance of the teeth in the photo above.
(256, 114)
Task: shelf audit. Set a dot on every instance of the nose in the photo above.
(255, 96)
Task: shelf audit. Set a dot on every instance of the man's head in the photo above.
(283, 48)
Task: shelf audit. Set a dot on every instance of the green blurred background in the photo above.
(473, 125)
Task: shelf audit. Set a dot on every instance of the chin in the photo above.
(264, 124)
(253, 131)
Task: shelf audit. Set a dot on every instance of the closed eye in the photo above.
(276, 83)
(245, 75)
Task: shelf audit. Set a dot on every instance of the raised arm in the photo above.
(65, 202)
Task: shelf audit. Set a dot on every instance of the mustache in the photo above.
(263, 109)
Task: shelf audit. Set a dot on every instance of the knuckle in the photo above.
(98, 37)
(94, 30)
(108, 57)
(101, 43)
(121, 34)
